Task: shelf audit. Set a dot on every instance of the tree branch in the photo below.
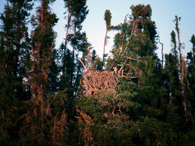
(82, 64)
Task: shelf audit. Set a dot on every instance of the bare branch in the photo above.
(82, 64)
(95, 81)
(133, 59)
(132, 32)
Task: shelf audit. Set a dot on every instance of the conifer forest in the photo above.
(70, 96)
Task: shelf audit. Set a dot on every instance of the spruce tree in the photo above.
(42, 45)
(14, 47)
(172, 82)
(77, 11)
(16, 43)
(191, 76)
(67, 67)
(76, 14)
(37, 111)
(107, 18)
(54, 73)
(130, 114)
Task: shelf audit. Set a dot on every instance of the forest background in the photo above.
(163, 14)
(65, 93)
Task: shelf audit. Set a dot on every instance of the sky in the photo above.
(163, 13)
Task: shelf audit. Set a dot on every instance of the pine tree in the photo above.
(193, 48)
(94, 62)
(7, 49)
(54, 73)
(132, 113)
(172, 73)
(42, 46)
(176, 82)
(14, 47)
(191, 76)
(107, 18)
(191, 67)
(67, 66)
(37, 111)
(16, 41)
(77, 11)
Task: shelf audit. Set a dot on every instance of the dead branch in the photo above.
(133, 59)
(82, 64)
(132, 32)
(95, 81)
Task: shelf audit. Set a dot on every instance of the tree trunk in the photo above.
(105, 41)
(66, 39)
(186, 104)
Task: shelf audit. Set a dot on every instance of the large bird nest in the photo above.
(94, 81)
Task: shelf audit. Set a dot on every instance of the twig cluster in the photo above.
(95, 81)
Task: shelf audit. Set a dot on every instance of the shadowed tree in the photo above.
(77, 11)
(14, 35)
(39, 110)
(191, 76)
(192, 40)
(77, 40)
(13, 49)
(42, 45)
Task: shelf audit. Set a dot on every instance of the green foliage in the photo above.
(173, 40)
(141, 11)
(107, 112)
(71, 67)
(39, 99)
(107, 18)
(14, 46)
(78, 9)
(135, 44)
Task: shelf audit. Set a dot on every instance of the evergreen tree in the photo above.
(191, 76)
(177, 19)
(68, 67)
(107, 18)
(193, 48)
(54, 73)
(176, 82)
(77, 11)
(37, 111)
(40, 103)
(15, 40)
(132, 114)
(191, 67)
(172, 82)
(94, 62)
(42, 46)
(14, 47)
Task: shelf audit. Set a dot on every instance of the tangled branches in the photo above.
(94, 81)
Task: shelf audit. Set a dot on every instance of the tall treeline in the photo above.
(15, 45)
(41, 100)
